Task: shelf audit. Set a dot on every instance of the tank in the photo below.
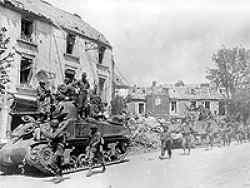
(25, 153)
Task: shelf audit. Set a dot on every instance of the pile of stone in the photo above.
(145, 133)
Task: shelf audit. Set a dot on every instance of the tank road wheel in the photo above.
(73, 161)
(107, 156)
(123, 147)
(47, 160)
(82, 161)
(70, 165)
(41, 157)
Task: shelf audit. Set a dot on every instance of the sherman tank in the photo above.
(26, 153)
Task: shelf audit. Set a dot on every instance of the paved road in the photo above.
(221, 167)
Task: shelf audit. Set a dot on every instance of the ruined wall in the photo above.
(214, 106)
(157, 105)
(181, 106)
(48, 53)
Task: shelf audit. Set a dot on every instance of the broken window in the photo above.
(222, 108)
(70, 43)
(26, 29)
(101, 51)
(25, 70)
(173, 106)
(207, 104)
(141, 108)
(101, 87)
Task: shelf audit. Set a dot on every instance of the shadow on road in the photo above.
(57, 180)
(94, 173)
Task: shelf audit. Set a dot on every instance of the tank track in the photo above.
(41, 157)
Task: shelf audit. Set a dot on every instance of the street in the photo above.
(221, 167)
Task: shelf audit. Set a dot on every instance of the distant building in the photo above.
(157, 101)
(136, 103)
(172, 100)
(186, 96)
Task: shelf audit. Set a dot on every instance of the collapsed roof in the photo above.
(195, 93)
(56, 16)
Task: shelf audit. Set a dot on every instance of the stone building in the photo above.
(52, 44)
(136, 103)
(171, 100)
(157, 101)
(194, 95)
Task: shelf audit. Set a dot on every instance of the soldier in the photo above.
(95, 149)
(57, 137)
(44, 99)
(229, 133)
(240, 134)
(166, 142)
(187, 137)
(210, 135)
(83, 85)
(62, 91)
(223, 133)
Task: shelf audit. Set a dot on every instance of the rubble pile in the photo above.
(145, 133)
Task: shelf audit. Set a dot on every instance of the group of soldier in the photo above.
(224, 134)
(166, 139)
(76, 91)
(71, 90)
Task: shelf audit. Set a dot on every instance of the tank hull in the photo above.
(39, 156)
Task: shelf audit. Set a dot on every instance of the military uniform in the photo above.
(166, 143)
(43, 99)
(210, 135)
(187, 137)
(83, 86)
(95, 149)
(57, 139)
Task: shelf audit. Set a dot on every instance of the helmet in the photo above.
(93, 127)
(42, 82)
(54, 123)
(27, 119)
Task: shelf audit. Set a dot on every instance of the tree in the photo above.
(240, 105)
(6, 57)
(231, 70)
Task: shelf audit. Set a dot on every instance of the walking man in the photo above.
(210, 135)
(95, 149)
(166, 142)
(187, 137)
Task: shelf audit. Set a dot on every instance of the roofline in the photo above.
(84, 36)
(199, 99)
(49, 21)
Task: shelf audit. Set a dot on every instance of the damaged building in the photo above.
(170, 100)
(52, 44)
(192, 96)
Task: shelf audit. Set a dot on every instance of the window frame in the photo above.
(28, 79)
(173, 106)
(70, 51)
(209, 104)
(23, 36)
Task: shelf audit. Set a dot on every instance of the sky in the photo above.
(165, 40)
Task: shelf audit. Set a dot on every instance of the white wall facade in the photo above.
(48, 51)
